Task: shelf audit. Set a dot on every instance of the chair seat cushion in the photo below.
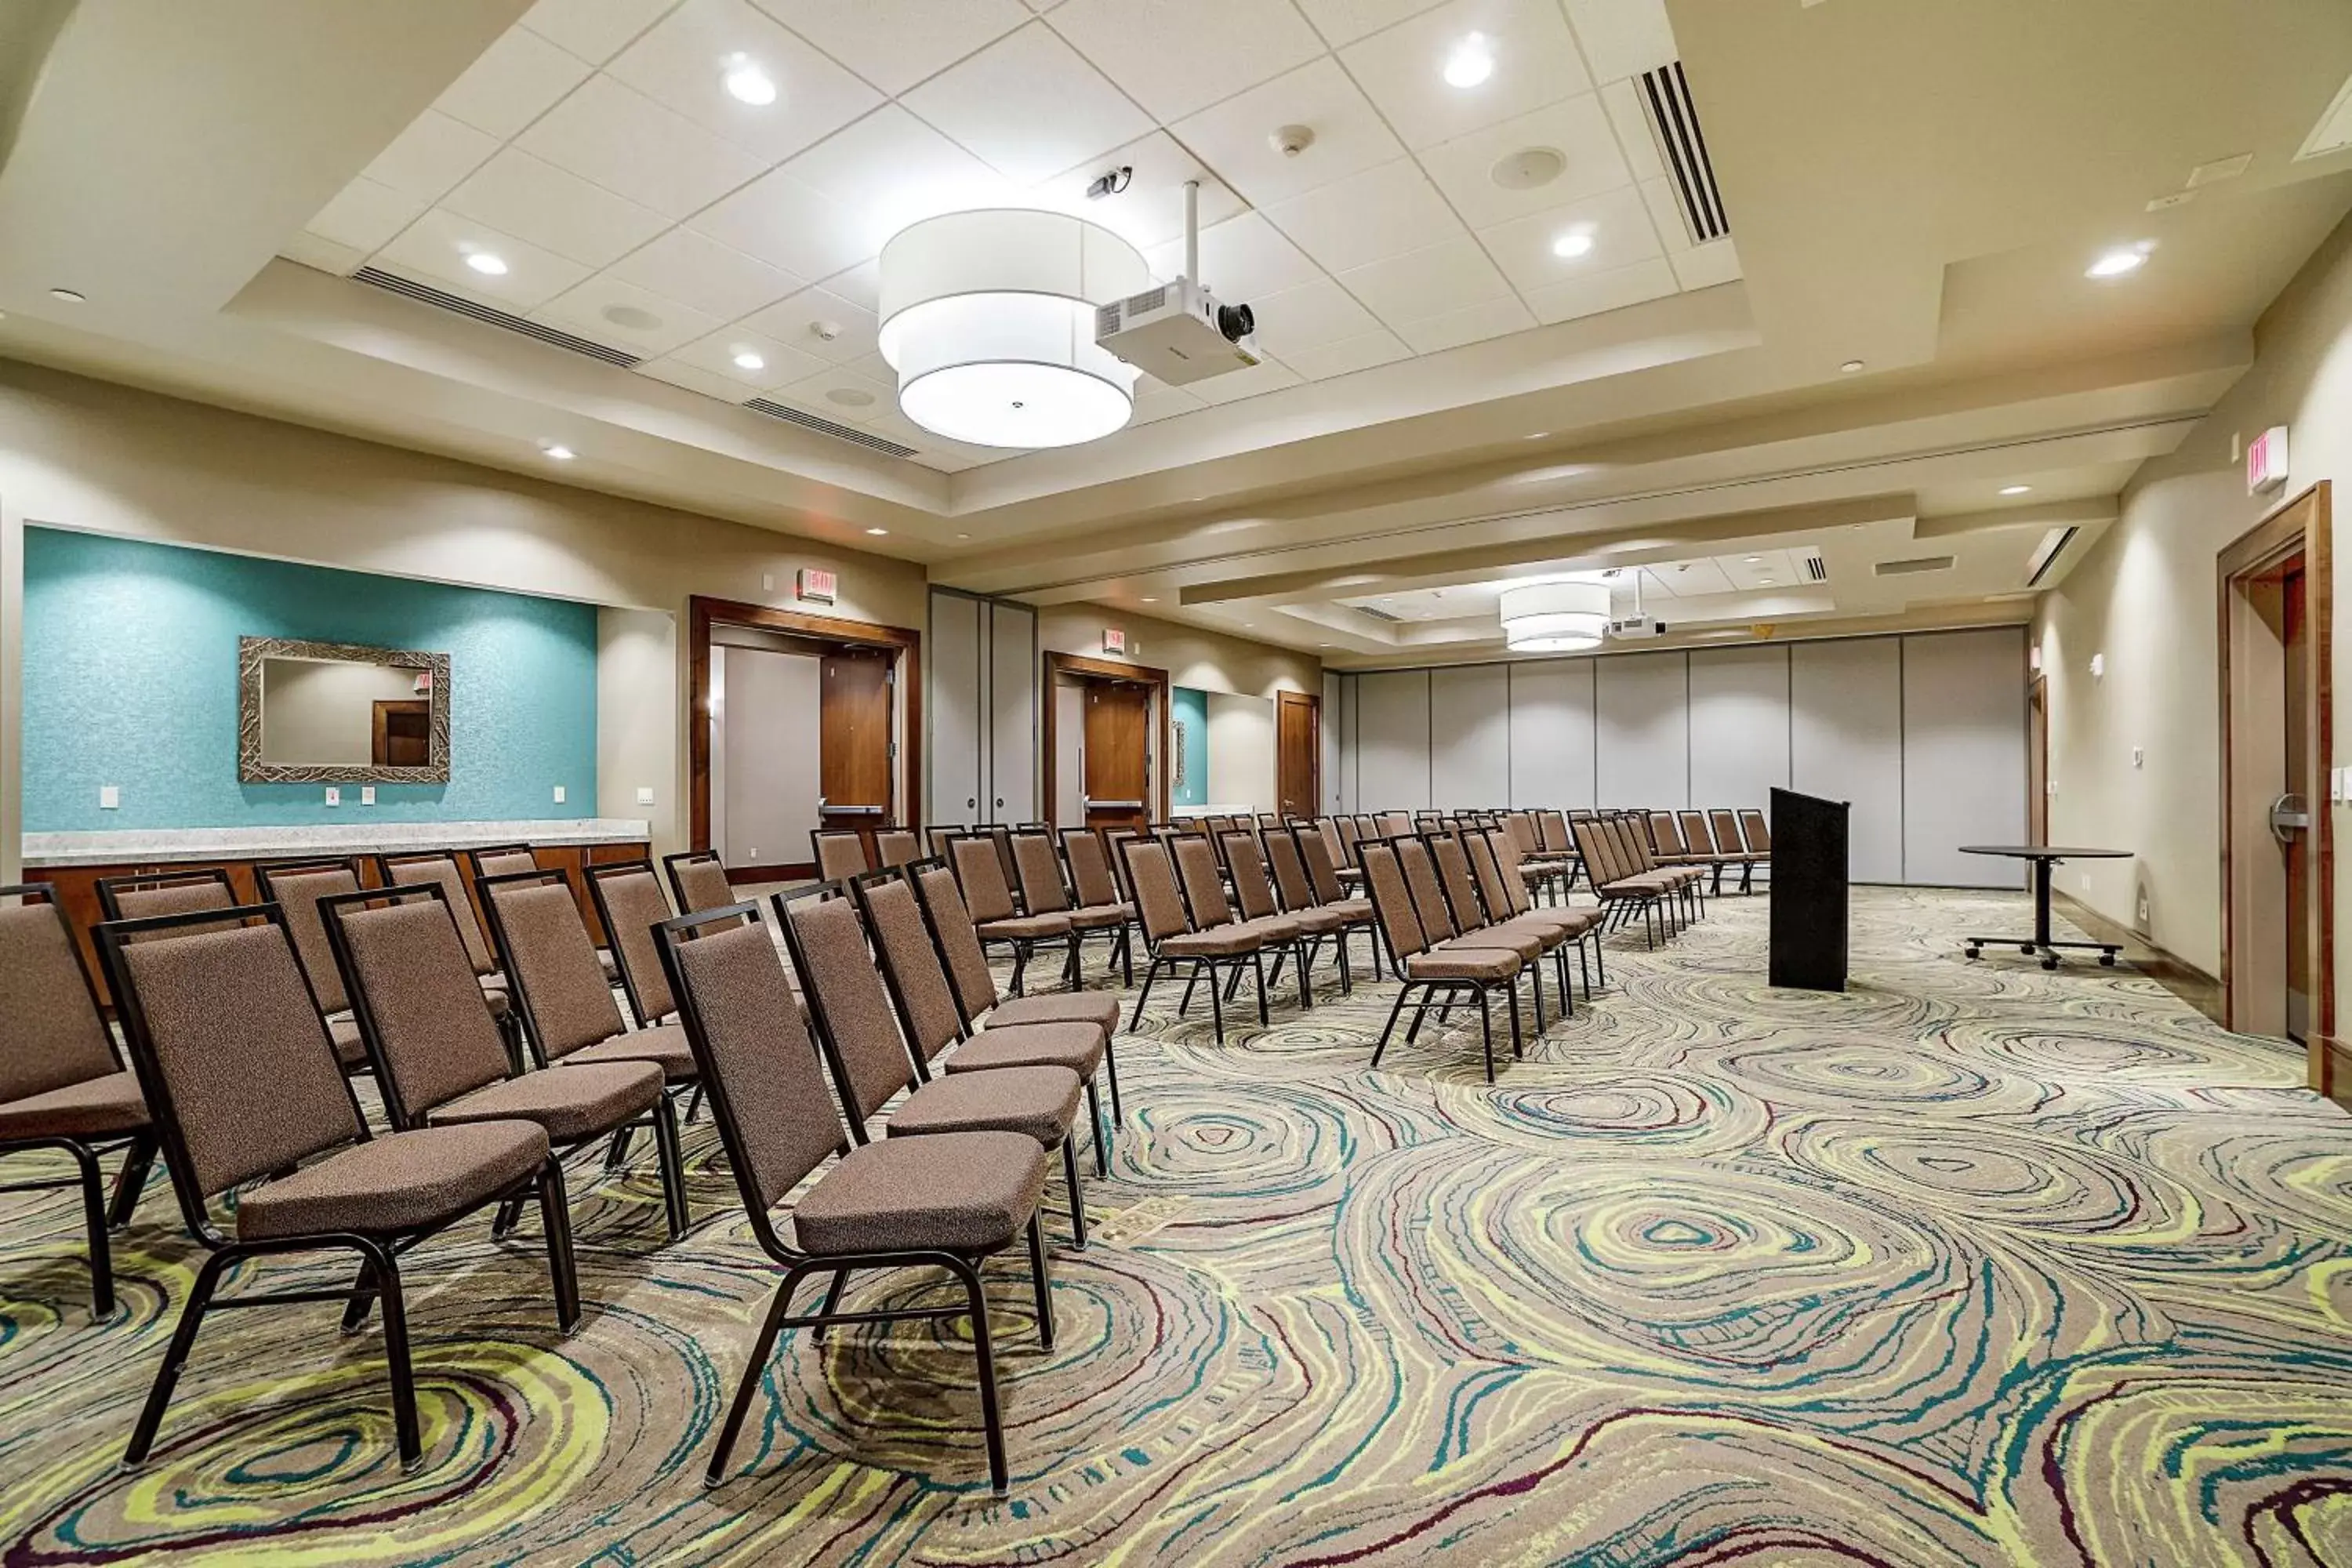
(1352, 912)
(1276, 928)
(959, 1191)
(1024, 927)
(94, 1107)
(1066, 1007)
(1217, 942)
(1076, 1046)
(578, 1102)
(403, 1181)
(1527, 943)
(1318, 920)
(664, 1044)
(494, 992)
(1040, 1102)
(1101, 917)
(1463, 963)
(349, 1049)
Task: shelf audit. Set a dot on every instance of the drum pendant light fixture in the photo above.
(1562, 616)
(989, 319)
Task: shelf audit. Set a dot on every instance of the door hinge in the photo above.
(894, 751)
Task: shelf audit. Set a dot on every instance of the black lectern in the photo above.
(1809, 892)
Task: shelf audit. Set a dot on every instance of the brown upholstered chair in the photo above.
(1443, 926)
(840, 854)
(1756, 833)
(1045, 891)
(297, 887)
(1494, 858)
(698, 880)
(243, 1083)
(441, 1062)
(1093, 883)
(1304, 876)
(1683, 882)
(502, 860)
(560, 993)
(872, 1066)
(951, 1201)
(981, 877)
(629, 903)
(1171, 940)
(443, 869)
(1294, 934)
(144, 896)
(1619, 884)
(897, 847)
(1452, 972)
(62, 1085)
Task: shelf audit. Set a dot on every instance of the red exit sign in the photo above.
(816, 586)
(1114, 640)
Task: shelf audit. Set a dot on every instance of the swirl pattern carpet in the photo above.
(1972, 1265)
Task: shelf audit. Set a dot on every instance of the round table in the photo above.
(2043, 857)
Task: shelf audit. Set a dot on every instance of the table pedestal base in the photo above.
(2040, 941)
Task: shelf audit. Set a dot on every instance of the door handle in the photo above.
(2288, 818)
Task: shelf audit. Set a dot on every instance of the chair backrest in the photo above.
(1393, 902)
(1151, 878)
(629, 903)
(912, 967)
(1695, 833)
(1665, 836)
(1521, 826)
(1112, 838)
(1755, 830)
(296, 889)
(1001, 836)
(502, 861)
(1039, 864)
(1553, 825)
(1091, 878)
(840, 854)
(440, 867)
(1392, 823)
(51, 1032)
(139, 897)
(237, 1071)
(1503, 891)
(937, 839)
(1204, 887)
(1253, 887)
(845, 998)
(958, 939)
(1725, 823)
(542, 945)
(1428, 895)
(897, 847)
(400, 959)
(1459, 882)
(698, 877)
(1340, 842)
(1633, 843)
(1291, 883)
(767, 1095)
(1322, 873)
(980, 875)
(1600, 863)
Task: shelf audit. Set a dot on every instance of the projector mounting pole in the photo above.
(1193, 231)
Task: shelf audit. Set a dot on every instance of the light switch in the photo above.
(767, 582)
(367, 794)
(2336, 784)
(559, 794)
(110, 797)
(334, 795)
(2140, 757)
(644, 794)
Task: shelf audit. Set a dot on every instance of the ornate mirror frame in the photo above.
(253, 652)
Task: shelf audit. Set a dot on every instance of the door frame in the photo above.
(2037, 760)
(2301, 525)
(1313, 702)
(1079, 667)
(703, 612)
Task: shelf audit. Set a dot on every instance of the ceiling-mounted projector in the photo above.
(1634, 627)
(1177, 331)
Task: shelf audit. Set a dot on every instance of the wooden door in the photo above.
(1119, 782)
(402, 734)
(1298, 752)
(854, 748)
(2299, 795)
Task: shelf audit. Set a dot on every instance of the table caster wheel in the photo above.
(2108, 960)
(1972, 952)
(2049, 963)
(2026, 948)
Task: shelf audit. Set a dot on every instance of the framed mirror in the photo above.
(322, 713)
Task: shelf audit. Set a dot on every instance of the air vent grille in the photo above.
(1917, 563)
(458, 304)
(1389, 616)
(1816, 570)
(2053, 545)
(824, 426)
(1673, 120)
(1107, 318)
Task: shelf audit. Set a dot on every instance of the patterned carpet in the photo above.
(1971, 1265)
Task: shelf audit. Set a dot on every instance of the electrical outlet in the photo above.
(644, 794)
(2143, 911)
(559, 794)
(755, 852)
(334, 795)
(110, 797)
(367, 794)
(2140, 757)
(768, 580)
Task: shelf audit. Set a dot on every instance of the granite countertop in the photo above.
(163, 844)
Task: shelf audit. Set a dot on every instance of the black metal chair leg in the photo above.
(130, 1181)
(1041, 1281)
(1191, 979)
(395, 1355)
(363, 1301)
(1077, 1194)
(616, 1154)
(1110, 1070)
(831, 1304)
(176, 1356)
(94, 1218)
(754, 1372)
(1019, 964)
(992, 1418)
(1150, 973)
(673, 1166)
(1257, 963)
(555, 1224)
(1216, 1001)
(1487, 1033)
(1396, 1009)
(1305, 994)
(1094, 1121)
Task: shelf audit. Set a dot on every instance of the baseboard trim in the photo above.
(2332, 1069)
(2176, 974)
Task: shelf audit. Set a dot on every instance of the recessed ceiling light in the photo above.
(2116, 263)
(1850, 366)
(70, 295)
(877, 532)
(748, 359)
(748, 83)
(1573, 244)
(1766, 580)
(2015, 489)
(489, 264)
(1472, 61)
(1151, 601)
(559, 451)
(1751, 560)
(1537, 436)
(963, 536)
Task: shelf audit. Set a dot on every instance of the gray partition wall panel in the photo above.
(1846, 743)
(1470, 736)
(1014, 727)
(952, 709)
(1392, 740)
(1963, 755)
(1329, 728)
(1642, 705)
(1738, 726)
(1551, 733)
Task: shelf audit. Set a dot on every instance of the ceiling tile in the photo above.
(1157, 400)
(625, 141)
(1345, 21)
(990, 104)
(1310, 316)
(1368, 217)
(1347, 355)
(874, 367)
(536, 201)
(1614, 222)
(781, 364)
(364, 216)
(1241, 259)
(693, 378)
(1705, 265)
(860, 285)
(1176, 59)
(1432, 281)
(782, 222)
(1759, 569)
(840, 393)
(430, 157)
(890, 170)
(1621, 37)
(436, 246)
(680, 61)
(1623, 103)
(1599, 292)
(893, 44)
(717, 279)
(323, 254)
(1487, 318)
(1402, 69)
(610, 312)
(595, 30)
(1236, 137)
(803, 320)
(1685, 579)
(1237, 384)
(1575, 128)
(514, 81)
(1151, 210)
(1666, 215)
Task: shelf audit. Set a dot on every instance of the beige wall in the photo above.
(82, 454)
(1240, 751)
(640, 691)
(2145, 598)
(1207, 661)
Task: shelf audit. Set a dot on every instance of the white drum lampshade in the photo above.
(989, 319)
(1556, 618)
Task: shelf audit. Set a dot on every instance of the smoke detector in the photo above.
(1527, 168)
(1292, 140)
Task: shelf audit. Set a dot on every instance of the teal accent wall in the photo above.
(1190, 710)
(130, 680)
